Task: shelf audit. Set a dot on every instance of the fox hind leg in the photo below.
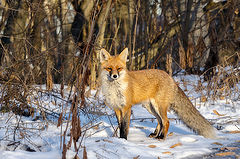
(151, 109)
(165, 121)
(161, 114)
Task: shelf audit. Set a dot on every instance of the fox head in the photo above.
(114, 67)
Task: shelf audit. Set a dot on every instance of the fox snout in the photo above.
(114, 76)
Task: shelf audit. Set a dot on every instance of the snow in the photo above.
(24, 155)
(100, 141)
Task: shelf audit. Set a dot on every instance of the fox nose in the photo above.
(114, 76)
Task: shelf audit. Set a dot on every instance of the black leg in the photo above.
(124, 125)
(123, 130)
(158, 133)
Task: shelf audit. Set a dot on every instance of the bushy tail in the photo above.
(191, 116)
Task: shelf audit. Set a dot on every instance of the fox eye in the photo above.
(108, 69)
(119, 69)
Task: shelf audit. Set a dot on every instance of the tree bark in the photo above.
(12, 14)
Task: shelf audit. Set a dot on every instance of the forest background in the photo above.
(47, 42)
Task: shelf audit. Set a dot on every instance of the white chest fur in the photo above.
(113, 91)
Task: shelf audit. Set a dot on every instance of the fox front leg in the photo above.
(123, 117)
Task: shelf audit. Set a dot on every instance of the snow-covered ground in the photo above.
(100, 125)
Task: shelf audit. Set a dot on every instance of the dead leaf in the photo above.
(203, 99)
(167, 152)
(139, 127)
(54, 103)
(215, 112)
(182, 55)
(137, 157)
(96, 127)
(64, 151)
(217, 143)
(84, 153)
(60, 120)
(105, 140)
(152, 146)
(229, 148)
(234, 132)
(22, 135)
(221, 97)
(62, 90)
(225, 153)
(170, 134)
(236, 11)
(175, 145)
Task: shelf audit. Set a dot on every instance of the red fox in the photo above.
(155, 89)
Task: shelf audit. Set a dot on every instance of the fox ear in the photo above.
(123, 55)
(104, 55)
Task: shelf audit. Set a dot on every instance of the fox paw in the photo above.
(158, 137)
(153, 135)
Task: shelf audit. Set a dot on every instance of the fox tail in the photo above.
(190, 115)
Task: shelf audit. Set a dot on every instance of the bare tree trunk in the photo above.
(186, 25)
(130, 25)
(146, 33)
(8, 31)
(134, 36)
(102, 19)
(169, 59)
(80, 28)
(37, 16)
